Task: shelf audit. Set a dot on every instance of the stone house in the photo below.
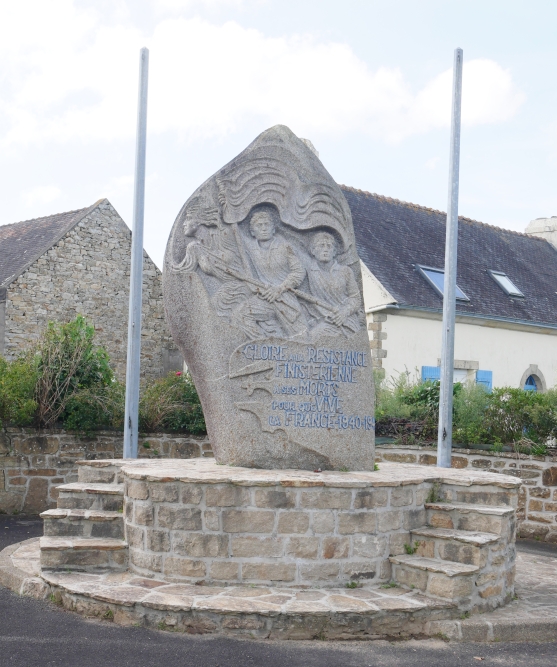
(506, 310)
(56, 267)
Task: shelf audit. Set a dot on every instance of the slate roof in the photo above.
(392, 236)
(22, 243)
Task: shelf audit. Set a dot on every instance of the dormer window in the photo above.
(505, 283)
(436, 278)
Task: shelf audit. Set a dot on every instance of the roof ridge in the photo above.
(434, 210)
(78, 215)
(53, 215)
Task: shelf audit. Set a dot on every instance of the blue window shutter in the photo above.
(431, 373)
(485, 378)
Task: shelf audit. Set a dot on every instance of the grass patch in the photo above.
(434, 493)
(411, 548)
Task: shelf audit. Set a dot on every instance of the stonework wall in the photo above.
(537, 498)
(88, 272)
(376, 337)
(33, 464)
(198, 522)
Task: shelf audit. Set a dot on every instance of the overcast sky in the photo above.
(367, 81)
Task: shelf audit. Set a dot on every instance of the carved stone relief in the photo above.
(263, 295)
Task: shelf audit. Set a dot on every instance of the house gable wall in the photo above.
(87, 273)
(412, 342)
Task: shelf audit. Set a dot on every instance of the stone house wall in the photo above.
(88, 272)
(33, 464)
(537, 498)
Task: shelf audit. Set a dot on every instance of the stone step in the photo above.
(105, 471)
(495, 510)
(83, 554)
(83, 523)
(473, 518)
(85, 496)
(436, 577)
(466, 536)
(459, 546)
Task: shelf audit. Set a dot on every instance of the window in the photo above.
(505, 283)
(436, 278)
(485, 378)
(530, 384)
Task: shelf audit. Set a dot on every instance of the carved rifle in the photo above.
(256, 283)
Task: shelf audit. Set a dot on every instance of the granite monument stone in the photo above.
(263, 295)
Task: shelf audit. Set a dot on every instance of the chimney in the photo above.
(545, 228)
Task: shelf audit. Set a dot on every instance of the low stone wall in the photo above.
(537, 499)
(33, 463)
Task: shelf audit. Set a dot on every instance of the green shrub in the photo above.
(96, 407)
(513, 414)
(409, 411)
(68, 363)
(469, 407)
(18, 379)
(66, 378)
(171, 403)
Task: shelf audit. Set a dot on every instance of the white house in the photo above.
(506, 331)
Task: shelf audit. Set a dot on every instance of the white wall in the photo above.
(413, 342)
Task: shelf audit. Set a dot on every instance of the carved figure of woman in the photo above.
(214, 257)
(335, 285)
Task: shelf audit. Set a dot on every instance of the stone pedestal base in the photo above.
(198, 522)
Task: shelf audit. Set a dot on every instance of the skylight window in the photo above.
(436, 278)
(505, 283)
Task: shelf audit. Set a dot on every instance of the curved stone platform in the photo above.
(256, 611)
(281, 552)
(532, 616)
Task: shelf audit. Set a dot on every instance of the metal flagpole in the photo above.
(136, 271)
(445, 433)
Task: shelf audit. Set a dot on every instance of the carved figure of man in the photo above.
(335, 285)
(274, 310)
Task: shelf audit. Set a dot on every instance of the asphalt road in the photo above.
(34, 633)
